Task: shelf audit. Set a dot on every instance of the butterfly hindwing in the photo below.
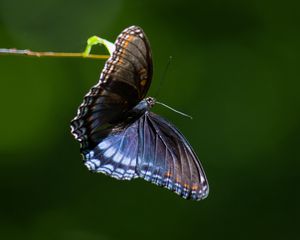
(116, 154)
(167, 159)
(153, 149)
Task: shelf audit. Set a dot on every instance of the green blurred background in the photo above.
(235, 69)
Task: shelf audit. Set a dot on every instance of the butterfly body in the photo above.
(122, 138)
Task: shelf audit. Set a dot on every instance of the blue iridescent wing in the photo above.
(116, 154)
(165, 158)
(123, 83)
(153, 149)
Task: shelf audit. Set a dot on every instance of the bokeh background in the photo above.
(235, 69)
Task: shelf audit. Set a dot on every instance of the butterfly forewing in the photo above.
(124, 82)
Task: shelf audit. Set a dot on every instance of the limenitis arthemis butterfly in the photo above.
(120, 137)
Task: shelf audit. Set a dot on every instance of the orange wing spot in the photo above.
(168, 174)
(126, 42)
(143, 74)
(124, 46)
(186, 185)
(195, 187)
(143, 82)
(120, 61)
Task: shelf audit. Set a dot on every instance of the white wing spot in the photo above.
(130, 171)
(90, 154)
(126, 161)
(109, 166)
(120, 170)
(95, 161)
(89, 165)
(109, 152)
(104, 145)
(202, 179)
(118, 156)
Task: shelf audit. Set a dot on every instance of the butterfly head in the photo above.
(150, 101)
(142, 107)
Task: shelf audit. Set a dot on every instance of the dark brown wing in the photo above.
(123, 82)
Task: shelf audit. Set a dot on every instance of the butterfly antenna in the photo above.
(163, 77)
(174, 110)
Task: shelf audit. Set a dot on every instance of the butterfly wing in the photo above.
(123, 82)
(167, 159)
(153, 149)
(116, 154)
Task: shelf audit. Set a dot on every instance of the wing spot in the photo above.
(143, 74)
(109, 166)
(117, 157)
(96, 162)
(104, 144)
(109, 152)
(125, 43)
(120, 170)
(143, 82)
(126, 161)
(202, 179)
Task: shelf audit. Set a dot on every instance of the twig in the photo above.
(26, 52)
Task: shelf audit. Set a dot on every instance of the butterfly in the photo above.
(119, 135)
